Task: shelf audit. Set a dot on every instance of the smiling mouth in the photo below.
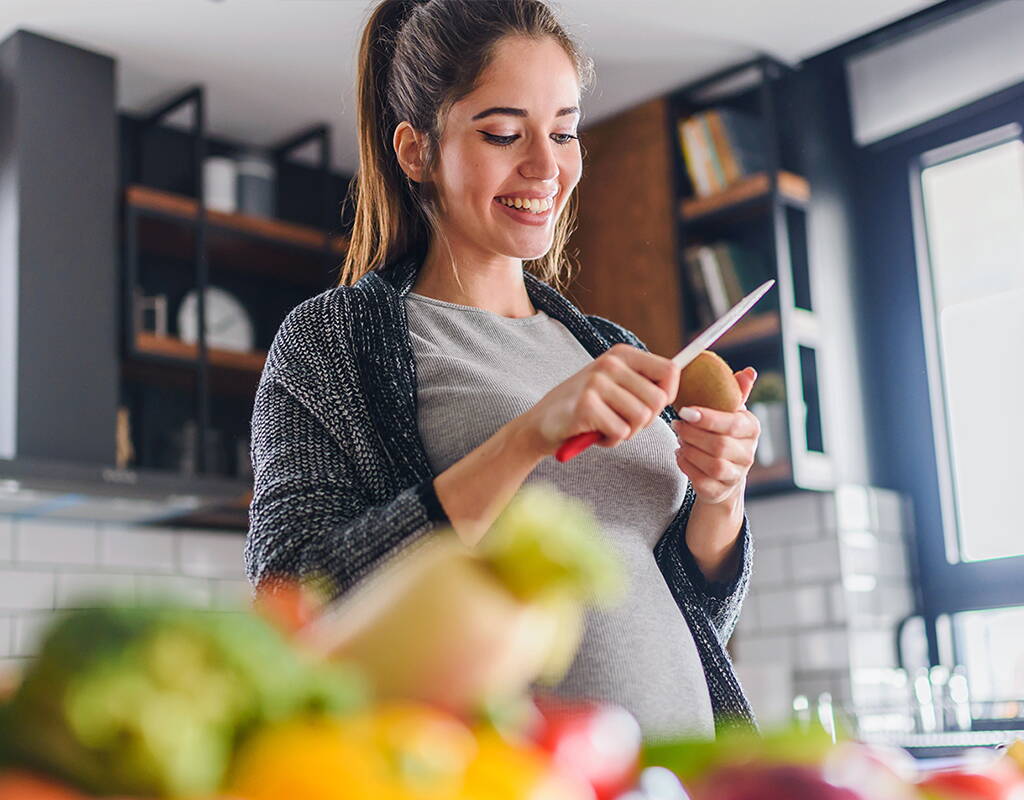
(531, 206)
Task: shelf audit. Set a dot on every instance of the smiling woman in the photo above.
(427, 388)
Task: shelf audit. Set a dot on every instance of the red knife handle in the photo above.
(577, 444)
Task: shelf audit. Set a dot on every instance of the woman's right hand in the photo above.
(618, 395)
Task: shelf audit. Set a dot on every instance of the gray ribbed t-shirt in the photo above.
(476, 370)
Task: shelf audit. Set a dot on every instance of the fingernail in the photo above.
(690, 414)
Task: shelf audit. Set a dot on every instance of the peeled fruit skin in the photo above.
(708, 381)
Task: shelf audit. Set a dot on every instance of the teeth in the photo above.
(534, 206)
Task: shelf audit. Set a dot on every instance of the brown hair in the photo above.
(416, 59)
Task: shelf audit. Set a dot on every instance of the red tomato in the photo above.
(955, 785)
(597, 742)
(23, 786)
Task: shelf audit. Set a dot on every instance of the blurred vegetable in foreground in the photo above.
(456, 626)
(397, 751)
(693, 759)
(152, 700)
(597, 741)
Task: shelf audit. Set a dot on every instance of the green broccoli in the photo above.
(152, 700)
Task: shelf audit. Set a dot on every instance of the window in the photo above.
(993, 652)
(972, 288)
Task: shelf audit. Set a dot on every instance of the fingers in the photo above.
(720, 468)
(648, 393)
(737, 424)
(631, 411)
(662, 371)
(746, 379)
(714, 445)
(705, 485)
(608, 423)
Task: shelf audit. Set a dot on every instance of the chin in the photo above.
(531, 247)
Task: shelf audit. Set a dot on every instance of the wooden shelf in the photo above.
(753, 187)
(171, 347)
(244, 243)
(751, 330)
(145, 197)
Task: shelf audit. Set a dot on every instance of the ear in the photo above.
(408, 144)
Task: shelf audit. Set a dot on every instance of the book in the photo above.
(720, 181)
(734, 288)
(695, 275)
(688, 156)
(723, 273)
(700, 153)
(720, 146)
(713, 281)
(747, 139)
(720, 136)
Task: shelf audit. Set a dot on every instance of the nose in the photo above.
(540, 162)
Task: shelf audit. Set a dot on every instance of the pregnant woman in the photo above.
(447, 367)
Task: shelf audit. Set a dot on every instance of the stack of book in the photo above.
(722, 274)
(720, 146)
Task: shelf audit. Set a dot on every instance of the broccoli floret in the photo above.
(153, 700)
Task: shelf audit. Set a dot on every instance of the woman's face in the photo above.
(511, 137)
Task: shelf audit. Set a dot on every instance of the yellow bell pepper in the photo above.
(399, 751)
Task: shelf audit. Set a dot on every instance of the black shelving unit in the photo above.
(173, 244)
(766, 213)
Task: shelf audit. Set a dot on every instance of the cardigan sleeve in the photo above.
(721, 600)
(309, 516)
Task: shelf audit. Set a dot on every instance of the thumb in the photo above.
(746, 378)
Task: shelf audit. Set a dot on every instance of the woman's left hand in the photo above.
(717, 451)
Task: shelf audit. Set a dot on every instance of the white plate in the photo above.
(228, 326)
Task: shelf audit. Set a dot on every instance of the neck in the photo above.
(494, 284)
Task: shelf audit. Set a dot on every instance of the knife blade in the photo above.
(575, 445)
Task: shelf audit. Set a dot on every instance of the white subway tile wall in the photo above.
(50, 564)
(138, 548)
(830, 581)
(58, 543)
(6, 539)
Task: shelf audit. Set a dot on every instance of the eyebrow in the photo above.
(521, 112)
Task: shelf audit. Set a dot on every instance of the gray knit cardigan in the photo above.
(342, 479)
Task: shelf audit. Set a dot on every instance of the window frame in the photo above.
(935, 367)
(908, 427)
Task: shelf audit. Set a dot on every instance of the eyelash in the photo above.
(497, 140)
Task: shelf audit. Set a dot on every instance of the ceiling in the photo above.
(272, 68)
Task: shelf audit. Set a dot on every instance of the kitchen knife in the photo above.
(581, 441)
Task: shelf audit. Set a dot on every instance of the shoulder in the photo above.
(310, 333)
(614, 332)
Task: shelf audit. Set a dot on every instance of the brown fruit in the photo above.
(708, 381)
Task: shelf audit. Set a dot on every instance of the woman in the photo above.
(440, 375)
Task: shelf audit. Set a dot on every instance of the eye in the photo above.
(500, 141)
(505, 141)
